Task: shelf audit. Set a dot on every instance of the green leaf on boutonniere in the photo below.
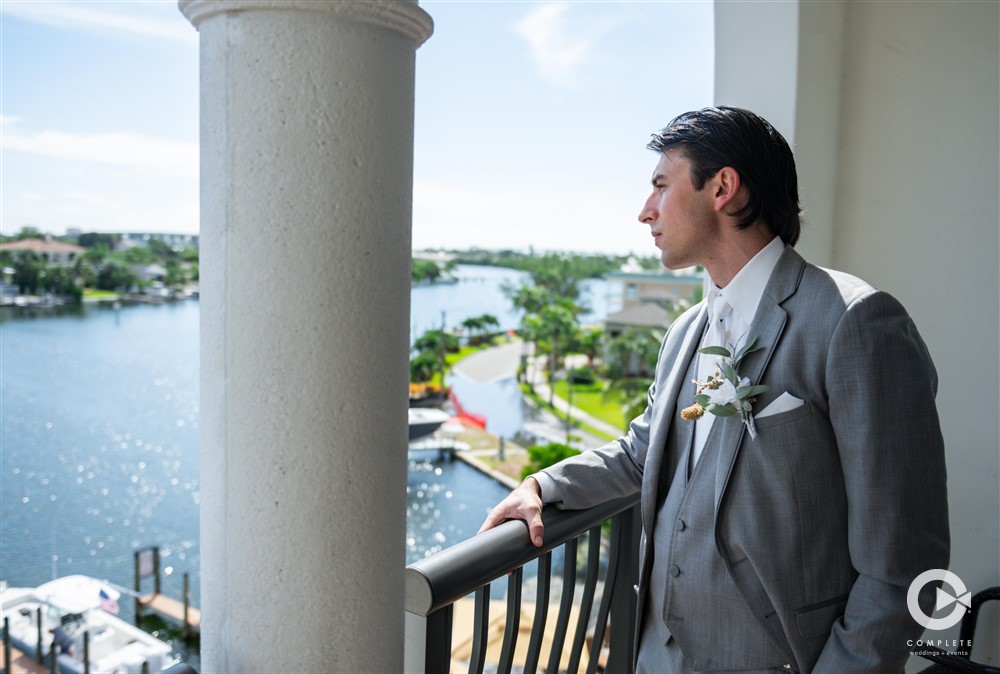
(715, 351)
(729, 373)
(721, 410)
(750, 391)
(702, 399)
(747, 348)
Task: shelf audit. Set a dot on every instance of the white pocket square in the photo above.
(786, 402)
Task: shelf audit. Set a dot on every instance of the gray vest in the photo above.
(690, 589)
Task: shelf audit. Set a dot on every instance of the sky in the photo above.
(531, 118)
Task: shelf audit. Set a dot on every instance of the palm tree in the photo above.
(589, 342)
(557, 323)
(631, 357)
(632, 391)
(633, 353)
(473, 326)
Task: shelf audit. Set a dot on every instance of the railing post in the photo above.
(138, 588)
(6, 646)
(187, 603)
(53, 658)
(38, 645)
(624, 601)
(437, 654)
(156, 570)
(86, 653)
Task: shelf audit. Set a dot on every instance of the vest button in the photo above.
(681, 525)
(674, 570)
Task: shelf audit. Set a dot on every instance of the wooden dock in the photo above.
(21, 663)
(172, 609)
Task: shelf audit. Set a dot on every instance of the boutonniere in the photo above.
(725, 393)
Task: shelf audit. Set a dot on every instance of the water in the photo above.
(99, 439)
(479, 291)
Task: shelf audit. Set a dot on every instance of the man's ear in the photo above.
(727, 187)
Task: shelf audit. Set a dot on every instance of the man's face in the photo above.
(681, 219)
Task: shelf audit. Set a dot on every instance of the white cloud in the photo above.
(156, 155)
(167, 205)
(77, 16)
(558, 52)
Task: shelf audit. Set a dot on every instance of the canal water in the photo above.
(99, 439)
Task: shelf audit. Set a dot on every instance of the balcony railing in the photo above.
(435, 584)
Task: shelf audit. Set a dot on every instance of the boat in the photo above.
(63, 610)
(425, 420)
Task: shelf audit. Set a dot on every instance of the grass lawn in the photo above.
(94, 295)
(591, 399)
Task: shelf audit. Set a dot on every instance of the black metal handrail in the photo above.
(434, 584)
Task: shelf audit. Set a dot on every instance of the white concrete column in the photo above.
(306, 180)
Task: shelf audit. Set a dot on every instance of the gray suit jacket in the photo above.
(825, 519)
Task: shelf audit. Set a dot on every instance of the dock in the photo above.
(21, 663)
(176, 611)
(147, 563)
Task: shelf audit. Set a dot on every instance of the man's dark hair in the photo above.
(713, 138)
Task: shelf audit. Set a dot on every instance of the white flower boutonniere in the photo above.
(726, 393)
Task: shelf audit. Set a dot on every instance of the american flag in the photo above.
(109, 603)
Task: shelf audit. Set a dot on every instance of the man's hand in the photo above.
(524, 503)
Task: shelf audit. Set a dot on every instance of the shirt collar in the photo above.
(747, 288)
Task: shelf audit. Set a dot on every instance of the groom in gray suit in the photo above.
(790, 491)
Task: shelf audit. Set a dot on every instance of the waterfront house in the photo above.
(664, 288)
(50, 250)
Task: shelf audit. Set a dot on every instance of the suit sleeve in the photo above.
(881, 385)
(613, 470)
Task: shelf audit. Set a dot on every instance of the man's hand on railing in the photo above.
(524, 503)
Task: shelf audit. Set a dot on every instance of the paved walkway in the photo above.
(501, 362)
(492, 364)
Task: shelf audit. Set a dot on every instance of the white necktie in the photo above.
(717, 334)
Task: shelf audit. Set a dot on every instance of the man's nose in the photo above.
(648, 213)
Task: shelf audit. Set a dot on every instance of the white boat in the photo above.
(69, 607)
(425, 420)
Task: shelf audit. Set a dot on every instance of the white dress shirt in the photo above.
(743, 294)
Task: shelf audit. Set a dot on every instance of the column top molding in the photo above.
(402, 16)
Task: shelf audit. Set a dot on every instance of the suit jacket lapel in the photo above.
(767, 325)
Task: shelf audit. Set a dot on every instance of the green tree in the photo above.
(478, 327)
(424, 271)
(557, 325)
(632, 391)
(543, 456)
(633, 353)
(437, 340)
(28, 232)
(88, 265)
(115, 275)
(29, 271)
(92, 239)
(138, 255)
(424, 366)
(589, 342)
(527, 298)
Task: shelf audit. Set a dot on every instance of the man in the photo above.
(784, 536)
